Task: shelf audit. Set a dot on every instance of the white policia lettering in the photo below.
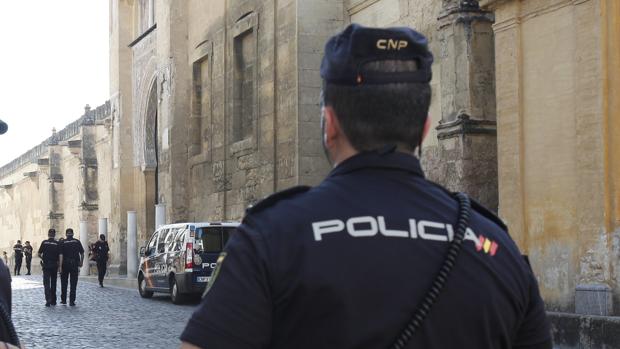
(370, 226)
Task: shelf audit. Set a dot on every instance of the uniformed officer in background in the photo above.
(376, 256)
(72, 260)
(18, 251)
(101, 251)
(28, 254)
(49, 252)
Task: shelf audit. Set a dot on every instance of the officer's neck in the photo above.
(341, 152)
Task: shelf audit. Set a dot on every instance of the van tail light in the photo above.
(189, 256)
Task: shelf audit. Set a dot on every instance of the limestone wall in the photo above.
(243, 128)
(556, 144)
(23, 209)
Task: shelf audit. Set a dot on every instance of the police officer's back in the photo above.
(72, 253)
(347, 263)
(49, 252)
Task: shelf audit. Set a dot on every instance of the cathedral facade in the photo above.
(214, 105)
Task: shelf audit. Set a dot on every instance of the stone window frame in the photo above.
(144, 16)
(202, 53)
(355, 6)
(247, 22)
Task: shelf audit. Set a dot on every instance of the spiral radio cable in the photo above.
(442, 276)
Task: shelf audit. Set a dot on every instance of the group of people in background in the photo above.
(65, 257)
(19, 251)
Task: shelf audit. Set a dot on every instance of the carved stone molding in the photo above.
(463, 125)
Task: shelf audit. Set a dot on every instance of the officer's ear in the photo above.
(332, 127)
(427, 127)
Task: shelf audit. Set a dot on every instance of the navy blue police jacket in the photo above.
(49, 251)
(345, 264)
(71, 250)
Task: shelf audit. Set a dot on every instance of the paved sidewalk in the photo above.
(109, 317)
(118, 281)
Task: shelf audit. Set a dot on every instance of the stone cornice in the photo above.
(463, 125)
(522, 17)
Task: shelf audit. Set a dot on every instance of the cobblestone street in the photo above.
(109, 317)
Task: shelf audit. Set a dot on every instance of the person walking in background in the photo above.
(101, 250)
(72, 254)
(28, 254)
(19, 255)
(49, 252)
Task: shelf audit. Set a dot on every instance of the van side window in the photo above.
(170, 239)
(161, 245)
(179, 240)
(150, 249)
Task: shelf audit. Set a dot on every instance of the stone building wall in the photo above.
(557, 137)
(23, 208)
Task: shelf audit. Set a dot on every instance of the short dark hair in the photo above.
(69, 231)
(102, 237)
(51, 232)
(375, 115)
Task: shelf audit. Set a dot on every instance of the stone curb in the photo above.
(123, 282)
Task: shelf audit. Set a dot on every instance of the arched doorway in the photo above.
(150, 168)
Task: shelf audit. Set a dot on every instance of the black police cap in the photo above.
(347, 53)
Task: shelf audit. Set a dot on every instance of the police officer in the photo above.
(49, 252)
(72, 254)
(101, 251)
(28, 254)
(19, 255)
(376, 256)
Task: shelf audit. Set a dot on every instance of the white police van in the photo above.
(179, 258)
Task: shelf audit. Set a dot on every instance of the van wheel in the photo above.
(142, 288)
(175, 295)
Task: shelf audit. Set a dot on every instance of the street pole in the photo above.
(132, 250)
(84, 240)
(103, 227)
(160, 215)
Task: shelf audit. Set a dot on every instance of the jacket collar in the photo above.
(389, 160)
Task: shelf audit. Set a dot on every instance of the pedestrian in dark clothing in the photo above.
(28, 254)
(72, 254)
(49, 252)
(101, 250)
(19, 255)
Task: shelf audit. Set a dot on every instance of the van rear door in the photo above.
(208, 245)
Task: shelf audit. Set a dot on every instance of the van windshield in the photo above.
(212, 239)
